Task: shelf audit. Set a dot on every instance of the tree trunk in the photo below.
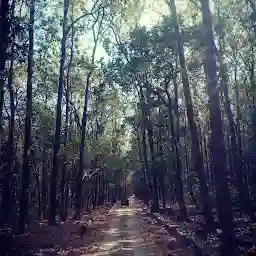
(162, 167)
(54, 173)
(179, 185)
(39, 191)
(208, 174)
(217, 138)
(140, 155)
(8, 164)
(186, 157)
(236, 164)
(84, 122)
(238, 127)
(24, 202)
(197, 157)
(64, 169)
(176, 100)
(238, 111)
(81, 150)
(44, 182)
(44, 185)
(149, 127)
(143, 138)
(4, 42)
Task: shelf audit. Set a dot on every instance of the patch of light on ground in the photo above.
(101, 253)
(125, 211)
(132, 241)
(112, 231)
(108, 246)
(127, 249)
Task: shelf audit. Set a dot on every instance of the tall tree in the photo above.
(54, 173)
(217, 138)
(24, 201)
(178, 165)
(96, 37)
(4, 42)
(197, 157)
(7, 157)
(236, 164)
(63, 212)
(149, 125)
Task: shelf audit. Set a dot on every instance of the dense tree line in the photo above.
(171, 105)
(190, 84)
(44, 168)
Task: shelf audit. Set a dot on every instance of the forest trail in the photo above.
(129, 233)
(113, 231)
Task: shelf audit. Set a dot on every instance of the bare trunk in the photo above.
(81, 151)
(78, 203)
(179, 185)
(39, 191)
(4, 42)
(162, 164)
(24, 202)
(217, 138)
(149, 128)
(143, 138)
(197, 157)
(8, 156)
(64, 169)
(238, 125)
(55, 166)
(236, 165)
(44, 185)
(44, 182)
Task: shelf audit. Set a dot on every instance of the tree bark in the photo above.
(39, 191)
(161, 161)
(84, 121)
(149, 127)
(217, 138)
(8, 164)
(55, 166)
(236, 164)
(238, 125)
(143, 137)
(24, 202)
(81, 151)
(4, 42)
(64, 169)
(197, 157)
(44, 185)
(44, 182)
(179, 185)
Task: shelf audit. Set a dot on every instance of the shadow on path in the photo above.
(128, 234)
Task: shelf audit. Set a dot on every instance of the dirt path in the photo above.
(116, 231)
(129, 233)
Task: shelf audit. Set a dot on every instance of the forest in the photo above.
(103, 99)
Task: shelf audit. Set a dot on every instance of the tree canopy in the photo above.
(101, 98)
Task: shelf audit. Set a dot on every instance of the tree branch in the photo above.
(75, 112)
(85, 15)
(156, 91)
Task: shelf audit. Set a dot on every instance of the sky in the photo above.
(152, 13)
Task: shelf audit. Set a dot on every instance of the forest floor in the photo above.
(113, 231)
(116, 230)
(132, 232)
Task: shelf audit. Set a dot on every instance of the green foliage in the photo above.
(138, 62)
